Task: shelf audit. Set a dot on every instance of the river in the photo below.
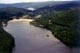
(32, 39)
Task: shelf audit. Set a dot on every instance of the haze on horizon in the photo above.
(20, 1)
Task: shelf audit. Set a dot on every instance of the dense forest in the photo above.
(63, 24)
(6, 39)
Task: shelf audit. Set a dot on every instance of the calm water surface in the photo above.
(31, 39)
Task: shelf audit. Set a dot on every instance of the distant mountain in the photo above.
(58, 7)
(19, 9)
(14, 10)
(9, 12)
(35, 5)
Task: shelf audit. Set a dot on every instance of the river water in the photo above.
(31, 39)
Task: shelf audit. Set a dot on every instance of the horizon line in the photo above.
(36, 2)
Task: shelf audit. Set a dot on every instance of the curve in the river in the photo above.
(31, 39)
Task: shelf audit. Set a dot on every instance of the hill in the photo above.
(58, 7)
(9, 12)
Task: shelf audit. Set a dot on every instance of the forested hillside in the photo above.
(6, 41)
(63, 25)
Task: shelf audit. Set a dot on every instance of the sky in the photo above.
(19, 1)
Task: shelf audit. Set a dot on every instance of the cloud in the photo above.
(17, 1)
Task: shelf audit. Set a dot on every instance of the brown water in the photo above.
(31, 39)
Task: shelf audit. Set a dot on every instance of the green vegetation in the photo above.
(63, 25)
(6, 41)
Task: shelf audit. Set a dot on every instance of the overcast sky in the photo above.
(18, 1)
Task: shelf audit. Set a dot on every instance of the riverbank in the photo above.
(6, 42)
(67, 40)
(63, 25)
(17, 20)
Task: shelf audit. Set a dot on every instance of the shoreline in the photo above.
(30, 20)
